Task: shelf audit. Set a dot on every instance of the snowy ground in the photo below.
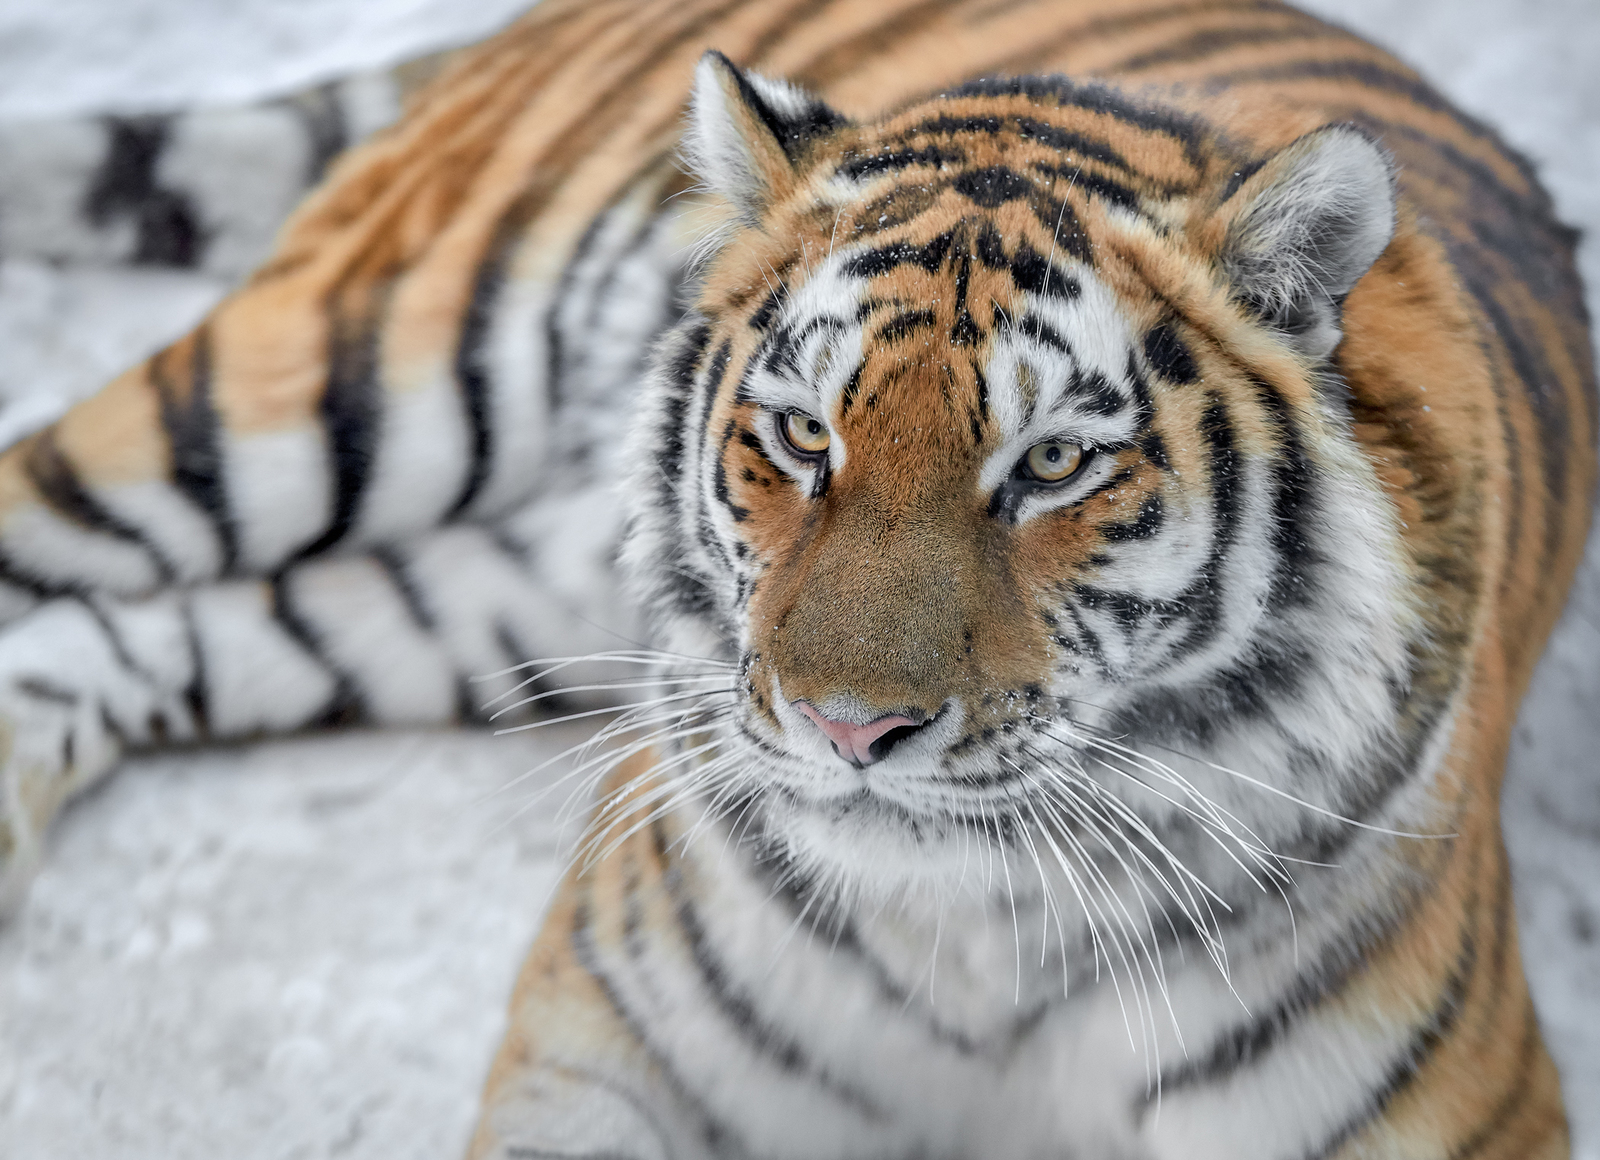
(302, 949)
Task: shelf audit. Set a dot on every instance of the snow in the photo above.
(303, 948)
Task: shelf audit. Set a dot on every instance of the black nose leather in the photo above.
(880, 748)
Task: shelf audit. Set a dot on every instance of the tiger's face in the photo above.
(1003, 452)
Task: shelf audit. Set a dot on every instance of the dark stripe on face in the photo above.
(1094, 97)
(715, 373)
(1293, 507)
(1068, 141)
(1168, 356)
(682, 352)
(1102, 187)
(194, 434)
(764, 314)
(994, 186)
(882, 260)
(1043, 333)
(719, 486)
(847, 397)
(1033, 272)
(1097, 394)
(905, 325)
(1152, 515)
(57, 481)
(1205, 600)
(892, 161)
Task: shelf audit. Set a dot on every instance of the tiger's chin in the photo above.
(866, 849)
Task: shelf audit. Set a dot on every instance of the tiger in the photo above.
(1092, 478)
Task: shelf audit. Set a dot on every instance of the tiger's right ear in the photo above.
(746, 133)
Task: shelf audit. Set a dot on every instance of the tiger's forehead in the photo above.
(973, 335)
(937, 277)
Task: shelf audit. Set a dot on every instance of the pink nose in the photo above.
(854, 742)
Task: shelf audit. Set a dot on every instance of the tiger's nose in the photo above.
(862, 744)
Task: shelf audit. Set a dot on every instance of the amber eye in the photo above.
(806, 435)
(1053, 462)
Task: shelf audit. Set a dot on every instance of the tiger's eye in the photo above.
(807, 435)
(1053, 462)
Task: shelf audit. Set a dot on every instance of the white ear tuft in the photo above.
(1311, 222)
(746, 132)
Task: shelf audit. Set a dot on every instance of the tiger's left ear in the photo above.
(747, 132)
(1308, 224)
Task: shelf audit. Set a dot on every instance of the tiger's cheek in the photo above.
(768, 508)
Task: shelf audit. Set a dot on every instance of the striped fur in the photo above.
(1189, 845)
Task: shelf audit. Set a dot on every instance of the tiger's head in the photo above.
(1004, 453)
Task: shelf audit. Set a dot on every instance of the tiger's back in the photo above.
(494, 179)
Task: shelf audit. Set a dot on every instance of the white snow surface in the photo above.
(303, 948)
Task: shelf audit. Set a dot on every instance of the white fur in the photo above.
(279, 492)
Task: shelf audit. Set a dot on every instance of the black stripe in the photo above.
(1364, 72)
(875, 262)
(737, 1006)
(1152, 515)
(1036, 274)
(1251, 1040)
(1043, 333)
(322, 117)
(1296, 559)
(1506, 1109)
(715, 1135)
(56, 479)
(682, 352)
(167, 227)
(119, 646)
(398, 570)
(196, 694)
(350, 409)
(1094, 97)
(345, 706)
(472, 368)
(1168, 355)
(906, 324)
(1070, 141)
(944, 125)
(894, 160)
(195, 436)
(1092, 183)
(993, 186)
(1425, 1039)
(1210, 41)
(719, 484)
(1541, 388)
(1204, 600)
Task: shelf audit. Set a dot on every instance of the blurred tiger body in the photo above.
(1072, 895)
